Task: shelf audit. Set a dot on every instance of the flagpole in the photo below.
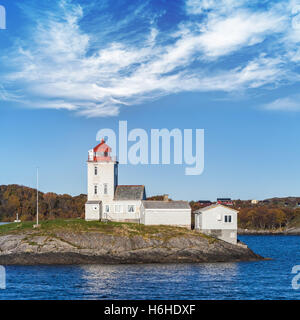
(37, 196)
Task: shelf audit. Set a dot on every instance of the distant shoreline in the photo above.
(288, 232)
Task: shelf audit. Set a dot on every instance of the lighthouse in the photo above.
(102, 175)
(109, 201)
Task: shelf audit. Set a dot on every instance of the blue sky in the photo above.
(69, 69)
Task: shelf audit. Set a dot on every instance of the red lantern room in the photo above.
(100, 153)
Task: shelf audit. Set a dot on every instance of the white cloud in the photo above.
(243, 28)
(293, 32)
(63, 67)
(284, 104)
(256, 73)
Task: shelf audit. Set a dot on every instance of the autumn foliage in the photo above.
(15, 198)
(269, 214)
(268, 217)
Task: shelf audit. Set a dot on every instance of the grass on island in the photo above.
(112, 228)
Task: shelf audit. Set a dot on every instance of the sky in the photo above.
(69, 68)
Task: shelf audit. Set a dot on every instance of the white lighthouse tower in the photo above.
(102, 181)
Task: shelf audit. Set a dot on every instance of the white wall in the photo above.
(106, 174)
(92, 212)
(214, 219)
(175, 217)
(124, 214)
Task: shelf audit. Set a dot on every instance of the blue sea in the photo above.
(245, 280)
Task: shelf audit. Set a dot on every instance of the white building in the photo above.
(174, 213)
(109, 201)
(217, 221)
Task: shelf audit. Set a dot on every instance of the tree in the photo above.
(280, 217)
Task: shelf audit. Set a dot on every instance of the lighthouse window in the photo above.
(95, 189)
(105, 188)
(101, 154)
(96, 171)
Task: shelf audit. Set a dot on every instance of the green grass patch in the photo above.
(113, 228)
(33, 243)
(15, 227)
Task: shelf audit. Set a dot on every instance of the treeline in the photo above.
(159, 198)
(278, 213)
(195, 205)
(22, 200)
(266, 217)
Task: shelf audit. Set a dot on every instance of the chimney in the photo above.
(166, 197)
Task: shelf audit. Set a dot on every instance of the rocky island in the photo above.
(76, 241)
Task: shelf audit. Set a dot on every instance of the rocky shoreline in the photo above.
(71, 248)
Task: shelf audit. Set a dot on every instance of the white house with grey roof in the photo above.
(109, 201)
(218, 221)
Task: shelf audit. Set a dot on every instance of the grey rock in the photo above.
(99, 248)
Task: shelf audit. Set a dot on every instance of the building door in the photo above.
(197, 222)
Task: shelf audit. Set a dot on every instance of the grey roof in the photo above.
(166, 205)
(93, 202)
(130, 193)
(213, 206)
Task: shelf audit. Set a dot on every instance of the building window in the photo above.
(107, 208)
(118, 208)
(96, 171)
(227, 218)
(105, 188)
(131, 208)
(95, 189)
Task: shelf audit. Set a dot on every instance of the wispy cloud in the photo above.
(72, 60)
(204, 6)
(284, 104)
(243, 28)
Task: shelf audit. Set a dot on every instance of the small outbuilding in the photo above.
(173, 213)
(218, 221)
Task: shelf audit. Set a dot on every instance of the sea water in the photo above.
(244, 280)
